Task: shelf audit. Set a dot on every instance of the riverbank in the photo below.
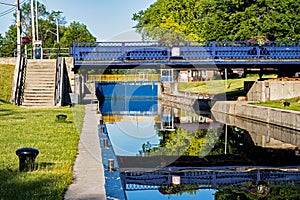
(276, 116)
(280, 117)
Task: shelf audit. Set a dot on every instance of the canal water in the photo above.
(167, 152)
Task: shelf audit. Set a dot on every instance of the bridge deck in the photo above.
(128, 54)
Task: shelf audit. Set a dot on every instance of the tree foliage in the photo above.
(77, 32)
(221, 19)
(47, 30)
(9, 46)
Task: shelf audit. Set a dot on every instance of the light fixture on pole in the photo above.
(57, 13)
(57, 35)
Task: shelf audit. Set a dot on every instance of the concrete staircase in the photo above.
(39, 90)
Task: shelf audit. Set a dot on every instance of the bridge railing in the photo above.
(213, 179)
(207, 50)
(124, 78)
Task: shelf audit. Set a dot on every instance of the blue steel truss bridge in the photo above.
(205, 55)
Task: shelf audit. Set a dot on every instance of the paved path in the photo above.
(88, 173)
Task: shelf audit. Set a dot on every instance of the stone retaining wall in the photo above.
(274, 89)
(279, 117)
(185, 100)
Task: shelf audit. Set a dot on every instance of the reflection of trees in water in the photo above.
(261, 192)
(203, 143)
(239, 142)
(177, 189)
(199, 143)
(181, 143)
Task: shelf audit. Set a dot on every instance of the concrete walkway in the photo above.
(88, 172)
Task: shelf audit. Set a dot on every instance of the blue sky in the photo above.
(105, 19)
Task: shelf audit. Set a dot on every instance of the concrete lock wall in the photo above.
(263, 91)
(279, 117)
(260, 130)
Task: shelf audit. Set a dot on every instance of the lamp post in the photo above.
(57, 26)
(57, 35)
(57, 32)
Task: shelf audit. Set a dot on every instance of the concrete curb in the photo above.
(88, 172)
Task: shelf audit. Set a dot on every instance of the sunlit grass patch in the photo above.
(56, 142)
(6, 77)
(294, 104)
(218, 86)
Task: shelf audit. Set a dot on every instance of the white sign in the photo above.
(176, 180)
(175, 51)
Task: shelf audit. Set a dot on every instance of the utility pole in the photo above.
(18, 24)
(32, 28)
(57, 31)
(14, 94)
(36, 20)
(19, 47)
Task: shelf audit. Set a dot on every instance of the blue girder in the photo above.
(188, 53)
(212, 179)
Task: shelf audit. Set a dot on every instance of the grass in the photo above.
(218, 86)
(6, 77)
(57, 143)
(236, 87)
(294, 104)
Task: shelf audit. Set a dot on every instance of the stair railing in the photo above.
(20, 82)
(59, 81)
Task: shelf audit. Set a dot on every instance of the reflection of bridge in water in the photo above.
(247, 172)
(209, 178)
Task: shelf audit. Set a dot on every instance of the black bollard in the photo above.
(61, 117)
(27, 158)
(286, 104)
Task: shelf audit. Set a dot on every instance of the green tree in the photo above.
(47, 30)
(222, 20)
(26, 17)
(77, 32)
(9, 42)
(46, 24)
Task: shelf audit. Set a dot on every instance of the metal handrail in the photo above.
(49, 53)
(58, 81)
(20, 84)
(207, 50)
(124, 78)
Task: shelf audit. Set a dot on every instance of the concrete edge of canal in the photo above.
(88, 171)
(280, 117)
